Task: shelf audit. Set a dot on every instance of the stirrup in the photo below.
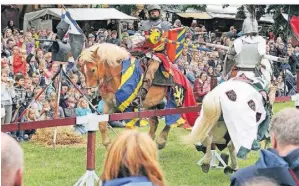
(136, 102)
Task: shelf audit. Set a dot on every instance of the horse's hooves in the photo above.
(228, 170)
(205, 168)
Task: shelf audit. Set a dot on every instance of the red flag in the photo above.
(294, 23)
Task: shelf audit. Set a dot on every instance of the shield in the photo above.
(231, 95)
(251, 104)
(77, 43)
(60, 51)
(258, 116)
(62, 29)
(173, 50)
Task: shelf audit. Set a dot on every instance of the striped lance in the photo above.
(269, 57)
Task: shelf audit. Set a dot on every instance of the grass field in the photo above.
(45, 166)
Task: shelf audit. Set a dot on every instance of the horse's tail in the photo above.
(209, 116)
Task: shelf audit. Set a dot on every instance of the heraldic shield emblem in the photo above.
(251, 104)
(231, 95)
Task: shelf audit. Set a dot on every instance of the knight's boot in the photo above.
(147, 82)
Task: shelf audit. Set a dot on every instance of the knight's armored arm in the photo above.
(231, 52)
(274, 58)
(229, 60)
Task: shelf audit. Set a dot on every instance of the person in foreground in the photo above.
(132, 160)
(11, 161)
(281, 162)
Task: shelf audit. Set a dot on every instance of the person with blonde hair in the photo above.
(132, 160)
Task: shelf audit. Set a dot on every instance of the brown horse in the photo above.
(102, 65)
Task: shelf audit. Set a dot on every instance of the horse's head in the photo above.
(98, 62)
(90, 67)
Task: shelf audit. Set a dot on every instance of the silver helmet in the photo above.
(250, 25)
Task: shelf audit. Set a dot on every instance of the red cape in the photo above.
(181, 79)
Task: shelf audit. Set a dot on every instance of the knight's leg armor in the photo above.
(147, 82)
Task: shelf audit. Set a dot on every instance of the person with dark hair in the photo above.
(10, 25)
(114, 39)
(112, 25)
(19, 103)
(280, 162)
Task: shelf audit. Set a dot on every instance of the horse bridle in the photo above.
(99, 84)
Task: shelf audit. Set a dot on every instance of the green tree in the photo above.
(241, 12)
(257, 10)
(195, 7)
(127, 9)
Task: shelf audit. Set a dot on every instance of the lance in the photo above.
(226, 48)
(197, 47)
(46, 40)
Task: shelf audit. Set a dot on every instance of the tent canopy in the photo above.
(79, 14)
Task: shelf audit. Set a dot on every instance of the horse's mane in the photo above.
(112, 54)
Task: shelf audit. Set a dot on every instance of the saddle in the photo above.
(160, 78)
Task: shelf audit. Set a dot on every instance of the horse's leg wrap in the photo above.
(231, 149)
(163, 137)
(206, 163)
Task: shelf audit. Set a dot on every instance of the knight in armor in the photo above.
(154, 22)
(247, 51)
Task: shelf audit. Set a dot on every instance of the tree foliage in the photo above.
(281, 26)
(241, 12)
(127, 9)
(195, 7)
(257, 10)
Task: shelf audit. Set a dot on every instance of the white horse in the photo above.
(242, 108)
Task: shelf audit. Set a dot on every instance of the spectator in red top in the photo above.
(201, 87)
(21, 42)
(18, 61)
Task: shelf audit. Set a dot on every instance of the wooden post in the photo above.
(119, 29)
(91, 144)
